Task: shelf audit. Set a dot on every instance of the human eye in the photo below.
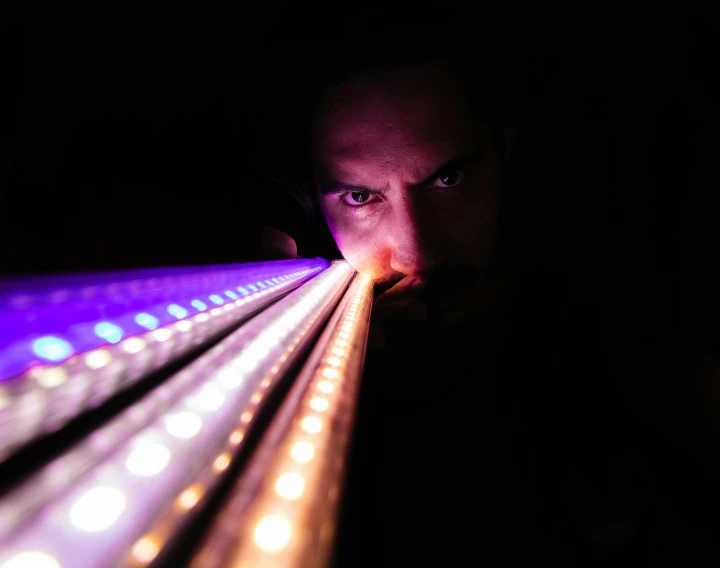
(450, 178)
(354, 199)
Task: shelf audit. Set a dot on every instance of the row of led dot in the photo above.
(207, 416)
(55, 349)
(31, 293)
(31, 411)
(297, 479)
(148, 546)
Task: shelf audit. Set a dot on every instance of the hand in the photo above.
(397, 306)
(277, 245)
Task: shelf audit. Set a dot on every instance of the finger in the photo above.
(405, 288)
(278, 245)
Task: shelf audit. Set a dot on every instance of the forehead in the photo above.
(413, 114)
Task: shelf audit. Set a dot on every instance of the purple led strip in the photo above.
(62, 357)
(44, 323)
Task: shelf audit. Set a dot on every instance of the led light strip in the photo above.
(283, 511)
(46, 397)
(189, 434)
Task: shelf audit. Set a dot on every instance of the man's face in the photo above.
(408, 180)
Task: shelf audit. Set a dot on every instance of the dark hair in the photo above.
(487, 68)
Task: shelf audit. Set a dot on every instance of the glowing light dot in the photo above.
(217, 300)
(201, 318)
(243, 291)
(148, 459)
(261, 285)
(183, 424)
(32, 559)
(98, 359)
(252, 288)
(215, 312)
(343, 335)
(266, 383)
(146, 320)
(330, 373)
(50, 378)
(319, 404)
(209, 398)
(257, 397)
(334, 361)
(109, 332)
(162, 335)
(246, 417)
(189, 498)
(272, 533)
(97, 509)
(198, 305)
(311, 424)
(337, 351)
(221, 462)
(231, 294)
(324, 386)
(302, 452)
(145, 550)
(185, 325)
(341, 343)
(290, 486)
(236, 437)
(133, 345)
(52, 348)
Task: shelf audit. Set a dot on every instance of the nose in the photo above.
(414, 239)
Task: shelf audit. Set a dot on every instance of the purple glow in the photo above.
(48, 319)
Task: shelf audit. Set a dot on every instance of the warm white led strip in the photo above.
(189, 430)
(47, 397)
(283, 510)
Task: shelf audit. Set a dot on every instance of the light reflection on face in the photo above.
(408, 181)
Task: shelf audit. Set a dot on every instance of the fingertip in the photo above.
(278, 243)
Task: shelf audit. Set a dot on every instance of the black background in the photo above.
(148, 141)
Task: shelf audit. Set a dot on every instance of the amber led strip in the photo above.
(283, 510)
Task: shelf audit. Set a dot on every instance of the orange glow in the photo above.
(324, 386)
(145, 550)
(290, 486)
(257, 397)
(189, 498)
(272, 533)
(236, 437)
(246, 417)
(302, 452)
(319, 404)
(311, 424)
(330, 373)
(221, 462)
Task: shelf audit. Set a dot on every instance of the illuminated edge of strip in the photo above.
(87, 380)
(238, 536)
(234, 438)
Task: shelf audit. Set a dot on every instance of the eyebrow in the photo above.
(335, 187)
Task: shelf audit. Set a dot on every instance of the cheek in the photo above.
(363, 247)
